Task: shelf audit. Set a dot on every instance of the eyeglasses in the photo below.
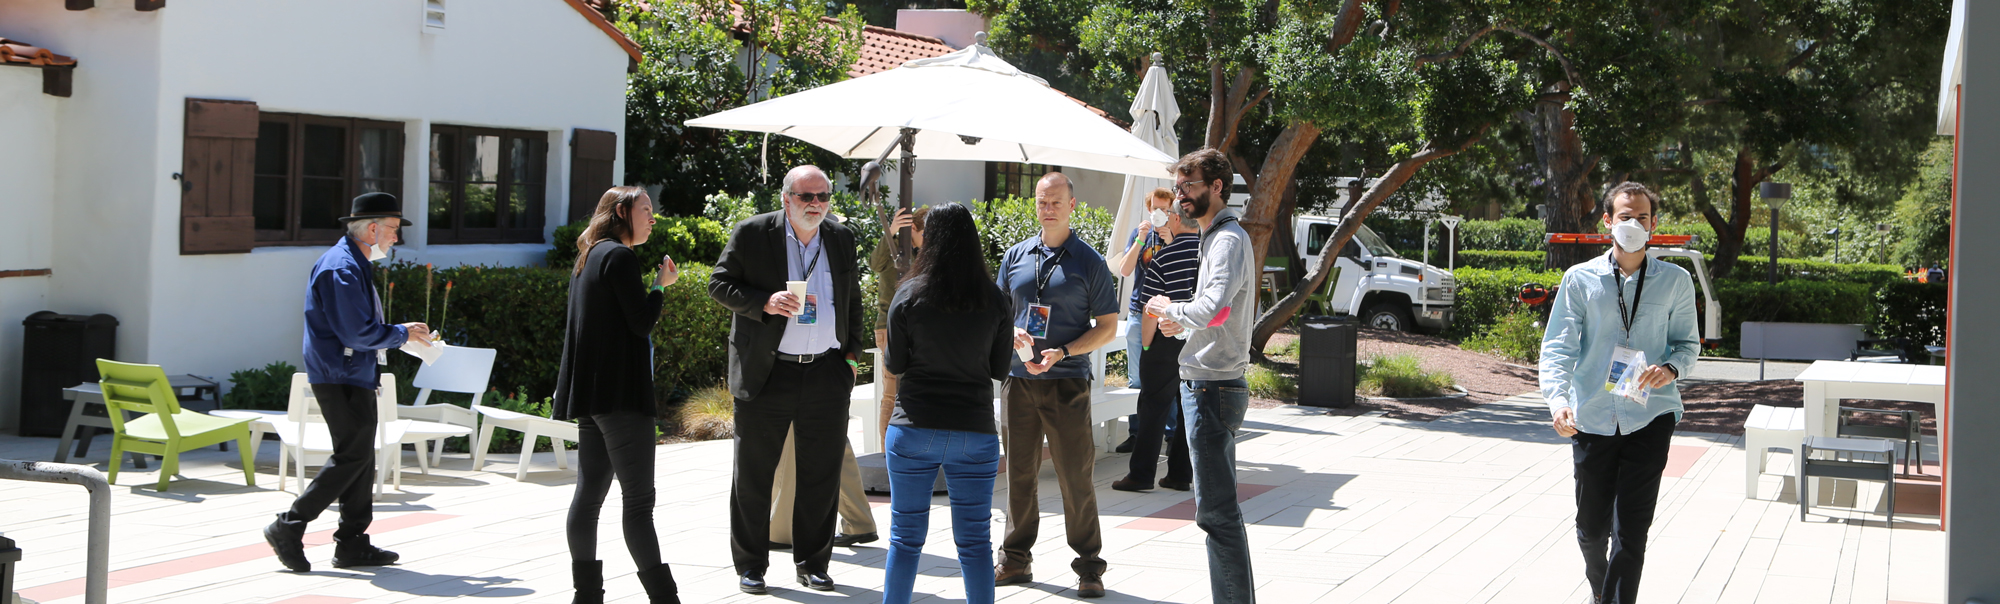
(1182, 187)
(814, 197)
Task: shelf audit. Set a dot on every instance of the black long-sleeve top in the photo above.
(946, 362)
(607, 348)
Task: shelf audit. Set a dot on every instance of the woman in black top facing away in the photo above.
(606, 386)
(951, 332)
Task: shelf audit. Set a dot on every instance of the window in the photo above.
(1009, 179)
(487, 185)
(308, 169)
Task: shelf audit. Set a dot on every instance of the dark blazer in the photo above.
(607, 360)
(752, 266)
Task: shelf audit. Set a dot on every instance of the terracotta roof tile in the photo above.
(16, 52)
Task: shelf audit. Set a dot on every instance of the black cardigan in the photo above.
(945, 362)
(607, 348)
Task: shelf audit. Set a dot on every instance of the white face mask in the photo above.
(380, 250)
(1158, 218)
(1630, 236)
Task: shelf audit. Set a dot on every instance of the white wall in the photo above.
(27, 200)
(1097, 189)
(939, 181)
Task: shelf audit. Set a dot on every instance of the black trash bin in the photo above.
(1326, 361)
(59, 351)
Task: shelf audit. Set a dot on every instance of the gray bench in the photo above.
(1798, 342)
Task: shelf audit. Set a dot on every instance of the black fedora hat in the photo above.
(376, 205)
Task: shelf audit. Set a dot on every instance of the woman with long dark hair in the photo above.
(606, 385)
(951, 331)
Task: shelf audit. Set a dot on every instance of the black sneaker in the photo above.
(850, 540)
(1124, 447)
(288, 542)
(356, 551)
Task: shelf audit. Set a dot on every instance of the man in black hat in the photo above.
(346, 341)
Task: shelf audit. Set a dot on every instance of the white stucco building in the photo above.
(191, 175)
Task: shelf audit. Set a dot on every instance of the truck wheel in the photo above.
(1388, 316)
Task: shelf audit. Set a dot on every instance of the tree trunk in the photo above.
(1566, 172)
(1350, 222)
(1729, 234)
(1268, 191)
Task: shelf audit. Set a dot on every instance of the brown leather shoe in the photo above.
(1090, 587)
(1012, 575)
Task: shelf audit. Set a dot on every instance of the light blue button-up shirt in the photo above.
(821, 335)
(1584, 328)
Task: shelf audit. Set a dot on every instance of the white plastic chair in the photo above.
(415, 432)
(303, 433)
(457, 369)
(469, 373)
(1770, 428)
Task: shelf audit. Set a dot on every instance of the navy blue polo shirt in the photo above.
(1078, 287)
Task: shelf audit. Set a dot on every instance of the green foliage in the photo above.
(1484, 296)
(1498, 260)
(1512, 234)
(522, 313)
(1923, 215)
(509, 441)
(687, 239)
(1911, 310)
(1795, 301)
(1517, 337)
(264, 389)
(1011, 220)
(694, 66)
(1266, 382)
(1402, 376)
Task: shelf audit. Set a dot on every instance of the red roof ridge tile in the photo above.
(16, 52)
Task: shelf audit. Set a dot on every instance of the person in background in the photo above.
(1214, 395)
(1058, 276)
(605, 385)
(1609, 307)
(1145, 240)
(951, 333)
(1172, 260)
(346, 341)
(791, 367)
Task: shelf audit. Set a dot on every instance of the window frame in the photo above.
(293, 234)
(505, 185)
(996, 176)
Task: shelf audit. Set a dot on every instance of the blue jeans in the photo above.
(1132, 350)
(969, 460)
(1213, 411)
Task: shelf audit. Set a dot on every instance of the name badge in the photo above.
(1038, 320)
(1623, 380)
(809, 315)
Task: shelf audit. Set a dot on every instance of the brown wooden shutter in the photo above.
(218, 156)
(591, 155)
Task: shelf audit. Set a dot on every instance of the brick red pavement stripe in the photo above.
(1681, 458)
(1182, 514)
(201, 562)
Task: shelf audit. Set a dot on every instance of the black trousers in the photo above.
(349, 475)
(1160, 414)
(1617, 488)
(813, 399)
(620, 445)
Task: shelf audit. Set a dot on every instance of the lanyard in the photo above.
(1042, 278)
(1636, 293)
(800, 254)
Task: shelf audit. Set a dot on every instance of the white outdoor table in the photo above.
(1829, 382)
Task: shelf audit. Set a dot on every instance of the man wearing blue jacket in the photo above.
(346, 341)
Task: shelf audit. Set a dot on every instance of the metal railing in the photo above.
(98, 561)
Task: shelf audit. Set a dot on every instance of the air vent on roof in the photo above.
(434, 16)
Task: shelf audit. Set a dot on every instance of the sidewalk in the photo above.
(1474, 507)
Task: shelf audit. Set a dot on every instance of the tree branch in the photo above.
(1569, 71)
(1804, 55)
(1457, 52)
(1346, 25)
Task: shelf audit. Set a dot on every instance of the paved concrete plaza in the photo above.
(1475, 507)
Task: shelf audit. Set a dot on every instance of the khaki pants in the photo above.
(1058, 409)
(855, 516)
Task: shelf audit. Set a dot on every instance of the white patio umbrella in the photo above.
(966, 105)
(1153, 115)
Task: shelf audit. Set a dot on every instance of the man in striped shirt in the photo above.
(1169, 258)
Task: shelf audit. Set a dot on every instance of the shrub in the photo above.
(264, 389)
(1501, 260)
(1266, 382)
(689, 239)
(1485, 295)
(1402, 376)
(1911, 310)
(1790, 302)
(509, 441)
(709, 414)
(1008, 221)
(1512, 234)
(1516, 336)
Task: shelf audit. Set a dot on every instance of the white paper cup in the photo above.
(1027, 355)
(798, 289)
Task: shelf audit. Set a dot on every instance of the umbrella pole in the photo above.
(871, 175)
(905, 196)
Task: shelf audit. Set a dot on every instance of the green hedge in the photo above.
(1500, 260)
(1011, 220)
(1485, 295)
(1748, 268)
(1512, 234)
(1908, 309)
(689, 239)
(522, 311)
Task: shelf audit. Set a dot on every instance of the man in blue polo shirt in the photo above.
(1064, 307)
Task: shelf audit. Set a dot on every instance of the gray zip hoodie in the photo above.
(1225, 281)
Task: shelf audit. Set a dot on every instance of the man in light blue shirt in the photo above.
(1624, 301)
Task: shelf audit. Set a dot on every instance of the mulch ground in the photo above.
(1717, 407)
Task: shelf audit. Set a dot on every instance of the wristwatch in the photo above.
(1065, 350)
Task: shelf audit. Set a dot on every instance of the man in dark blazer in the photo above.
(791, 367)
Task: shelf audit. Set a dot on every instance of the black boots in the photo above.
(589, 578)
(660, 587)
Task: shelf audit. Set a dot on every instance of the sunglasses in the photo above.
(814, 197)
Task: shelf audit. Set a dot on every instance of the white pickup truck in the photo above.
(1374, 283)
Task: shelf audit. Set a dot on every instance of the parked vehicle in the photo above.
(1371, 281)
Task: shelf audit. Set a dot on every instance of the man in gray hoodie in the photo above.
(1214, 394)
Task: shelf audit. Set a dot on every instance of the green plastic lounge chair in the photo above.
(1322, 301)
(166, 429)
